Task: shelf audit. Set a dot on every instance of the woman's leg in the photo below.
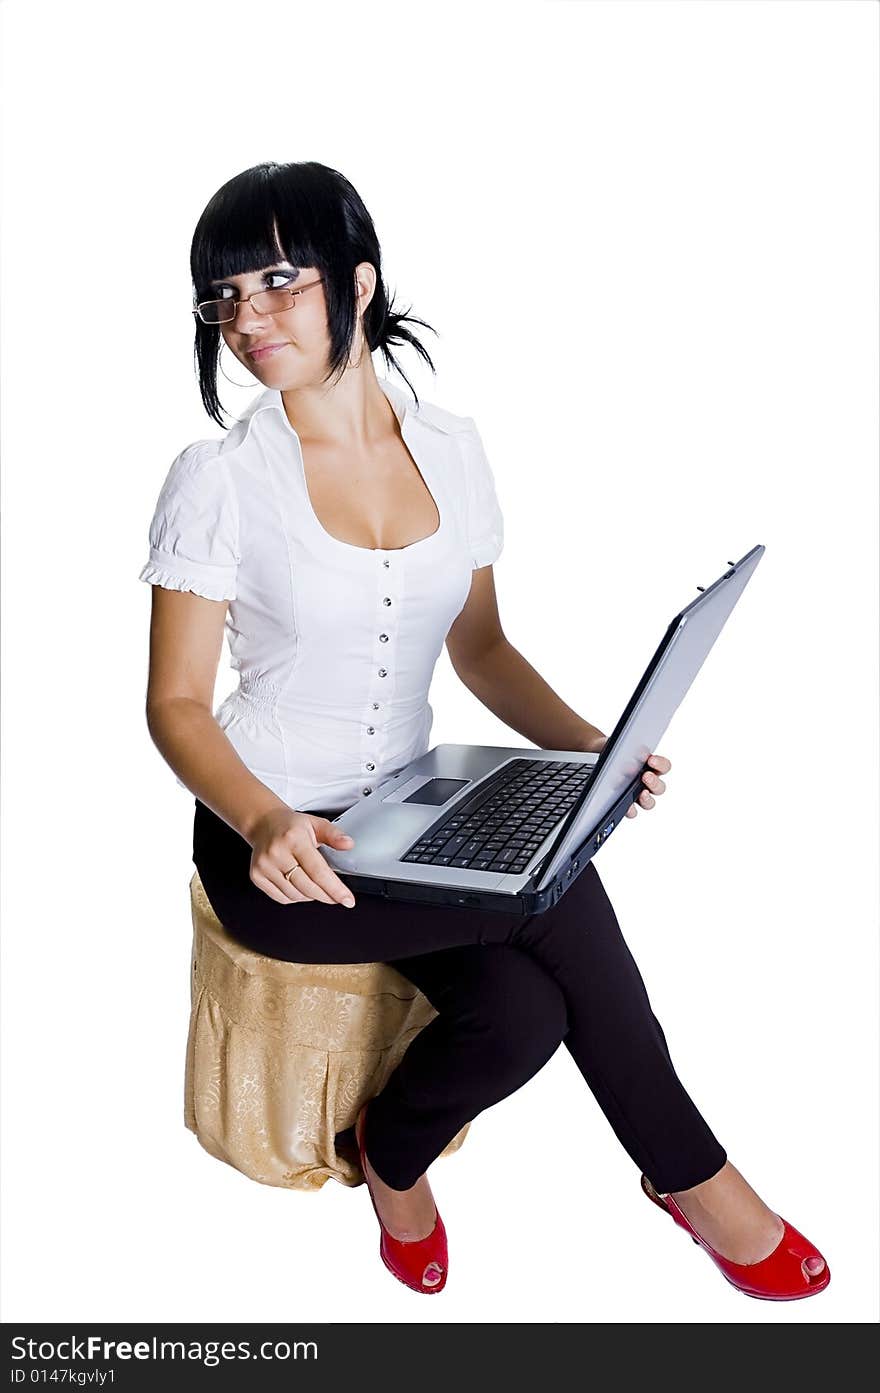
(500, 1018)
(616, 1040)
(308, 931)
(613, 1035)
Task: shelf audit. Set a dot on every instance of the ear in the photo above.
(365, 283)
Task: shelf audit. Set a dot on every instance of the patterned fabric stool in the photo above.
(281, 1056)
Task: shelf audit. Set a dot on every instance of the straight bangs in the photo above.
(250, 224)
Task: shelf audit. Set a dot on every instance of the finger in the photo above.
(298, 884)
(655, 784)
(332, 835)
(324, 878)
(301, 879)
(646, 799)
(632, 811)
(660, 762)
(282, 895)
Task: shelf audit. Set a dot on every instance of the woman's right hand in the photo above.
(283, 837)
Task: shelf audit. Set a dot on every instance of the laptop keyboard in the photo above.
(504, 821)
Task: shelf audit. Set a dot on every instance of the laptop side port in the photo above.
(606, 832)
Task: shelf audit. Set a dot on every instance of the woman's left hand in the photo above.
(651, 780)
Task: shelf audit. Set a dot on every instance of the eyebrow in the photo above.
(271, 271)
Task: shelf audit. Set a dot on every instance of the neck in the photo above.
(353, 413)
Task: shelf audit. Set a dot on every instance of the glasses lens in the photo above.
(217, 311)
(272, 301)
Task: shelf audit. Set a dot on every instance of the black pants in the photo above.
(507, 989)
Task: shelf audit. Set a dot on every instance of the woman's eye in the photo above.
(227, 292)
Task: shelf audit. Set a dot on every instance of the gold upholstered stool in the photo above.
(281, 1056)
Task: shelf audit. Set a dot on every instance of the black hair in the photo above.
(309, 215)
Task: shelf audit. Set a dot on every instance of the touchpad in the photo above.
(437, 791)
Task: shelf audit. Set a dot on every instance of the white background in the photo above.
(647, 235)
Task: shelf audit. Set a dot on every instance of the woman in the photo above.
(341, 535)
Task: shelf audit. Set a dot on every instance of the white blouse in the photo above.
(335, 644)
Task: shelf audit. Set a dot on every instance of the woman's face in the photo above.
(299, 338)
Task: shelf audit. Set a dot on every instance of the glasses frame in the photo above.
(286, 289)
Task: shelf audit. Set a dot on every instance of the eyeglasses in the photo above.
(263, 301)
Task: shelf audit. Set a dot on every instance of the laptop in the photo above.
(509, 828)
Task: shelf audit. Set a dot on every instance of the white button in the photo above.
(383, 672)
(367, 790)
(383, 638)
(375, 706)
(371, 730)
(369, 765)
(387, 600)
(386, 562)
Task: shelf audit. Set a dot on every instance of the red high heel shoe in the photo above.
(778, 1277)
(411, 1262)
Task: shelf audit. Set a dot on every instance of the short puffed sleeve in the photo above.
(485, 523)
(194, 532)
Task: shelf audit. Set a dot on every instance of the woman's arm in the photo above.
(186, 637)
(518, 695)
(501, 678)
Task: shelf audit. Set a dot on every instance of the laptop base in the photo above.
(526, 901)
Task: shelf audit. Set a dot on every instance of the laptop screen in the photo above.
(658, 694)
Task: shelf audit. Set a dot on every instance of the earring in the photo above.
(220, 366)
